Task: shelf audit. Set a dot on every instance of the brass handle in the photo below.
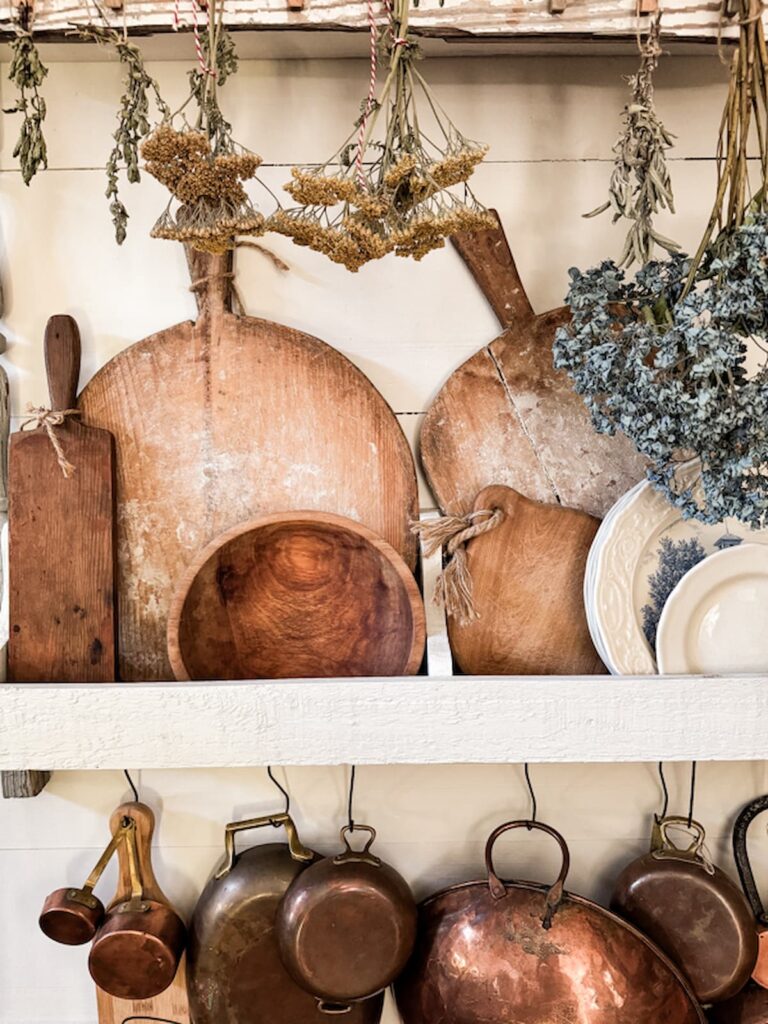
(359, 856)
(104, 859)
(663, 846)
(296, 848)
(555, 893)
(137, 889)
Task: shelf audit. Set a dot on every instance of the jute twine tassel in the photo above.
(454, 584)
(39, 416)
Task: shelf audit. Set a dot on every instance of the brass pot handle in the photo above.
(555, 893)
(363, 856)
(663, 846)
(296, 848)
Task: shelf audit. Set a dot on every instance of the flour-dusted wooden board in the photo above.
(506, 416)
(222, 420)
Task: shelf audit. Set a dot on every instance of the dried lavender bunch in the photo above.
(27, 72)
(133, 124)
(391, 192)
(640, 184)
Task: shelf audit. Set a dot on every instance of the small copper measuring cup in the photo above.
(72, 916)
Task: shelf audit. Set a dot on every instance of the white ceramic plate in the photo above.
(629, 554)
(715, 621)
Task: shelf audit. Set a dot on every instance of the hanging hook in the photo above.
(131, 783)
(693, 793)
(531, 793)
(282, 789)
(353, 771)
(664, 790)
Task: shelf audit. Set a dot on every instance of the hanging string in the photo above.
(131, 783)
(693, 793)
(351, 797)
(531, 793)
(159, 1020)
(282, 789)
(370, 102)
(664, 790)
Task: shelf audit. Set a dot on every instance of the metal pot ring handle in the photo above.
(740, 828)
(296, 848)
(555, 893)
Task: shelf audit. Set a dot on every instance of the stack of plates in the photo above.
(699, 587)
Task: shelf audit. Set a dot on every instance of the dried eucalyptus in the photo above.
(401, 191)
(27, 72)
(133, 125)
(640, 183)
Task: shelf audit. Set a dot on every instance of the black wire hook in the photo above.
(282, 789)
(353, 771)
(693, 793)
(664, 790)
(532, 794)
(142, 1016)
(131, 783)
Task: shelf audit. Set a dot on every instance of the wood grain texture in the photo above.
(62, 556)
(506, 416)
(296, 595)
(528, 579)
(172, 1004)
(225, 419)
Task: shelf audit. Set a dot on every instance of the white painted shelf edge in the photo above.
(413, 720)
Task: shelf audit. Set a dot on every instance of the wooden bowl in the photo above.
(294, 595)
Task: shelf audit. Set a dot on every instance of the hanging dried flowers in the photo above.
(391, 192)
(199, 163)
(133, 124)
(678, 358)
(27, 73)
(640, 184)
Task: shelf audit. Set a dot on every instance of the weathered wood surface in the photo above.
(506, 416)
(296, 595)
(528, 577)
(171, 1005)
(225, 419)
(61, 538)
(683, 19)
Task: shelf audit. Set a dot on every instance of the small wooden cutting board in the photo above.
(528, 577)
(61, 535)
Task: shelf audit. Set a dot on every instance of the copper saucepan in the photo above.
(497, 952)
(691, 909)
(347, 924)
(741, 856)
(137, 949)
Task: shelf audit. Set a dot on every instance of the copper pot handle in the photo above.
(555, 893)
(740, 828)
(363, 856)
(296, 848)
(662, 845)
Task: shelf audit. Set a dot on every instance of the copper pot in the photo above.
(691, 909)
(499, 952)
(741, 856)
(137, 949)
(346, 926)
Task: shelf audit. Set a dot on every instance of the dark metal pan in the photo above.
(750, 1006)
(691, 909)
(748, 884)
(500, 952)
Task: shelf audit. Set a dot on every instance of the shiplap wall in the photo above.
(551, 123)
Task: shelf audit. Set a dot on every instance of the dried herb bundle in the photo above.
(389, 193)
(27, 72)
(640, 184)
(200, 163)
(133, 123)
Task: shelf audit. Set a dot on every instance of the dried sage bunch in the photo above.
(27, 73)
(133, 125)
(391, 191)
(640, 184)
(199, 162)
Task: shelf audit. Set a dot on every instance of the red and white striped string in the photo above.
(178, 21)
(370, 101)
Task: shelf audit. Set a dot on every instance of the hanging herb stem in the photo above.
(133, 123)
(27, 72)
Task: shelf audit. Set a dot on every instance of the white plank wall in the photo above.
(551, 123)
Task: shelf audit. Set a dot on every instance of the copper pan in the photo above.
(522, 952)
(741, 856)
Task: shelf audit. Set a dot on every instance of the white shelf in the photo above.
(415, 720)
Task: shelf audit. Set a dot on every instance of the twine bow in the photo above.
(454, 584)
(39, 416)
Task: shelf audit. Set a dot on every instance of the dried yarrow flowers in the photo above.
(200, 164)
(640, 184)
(132, 118)
(389, 193)
(27, 72)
